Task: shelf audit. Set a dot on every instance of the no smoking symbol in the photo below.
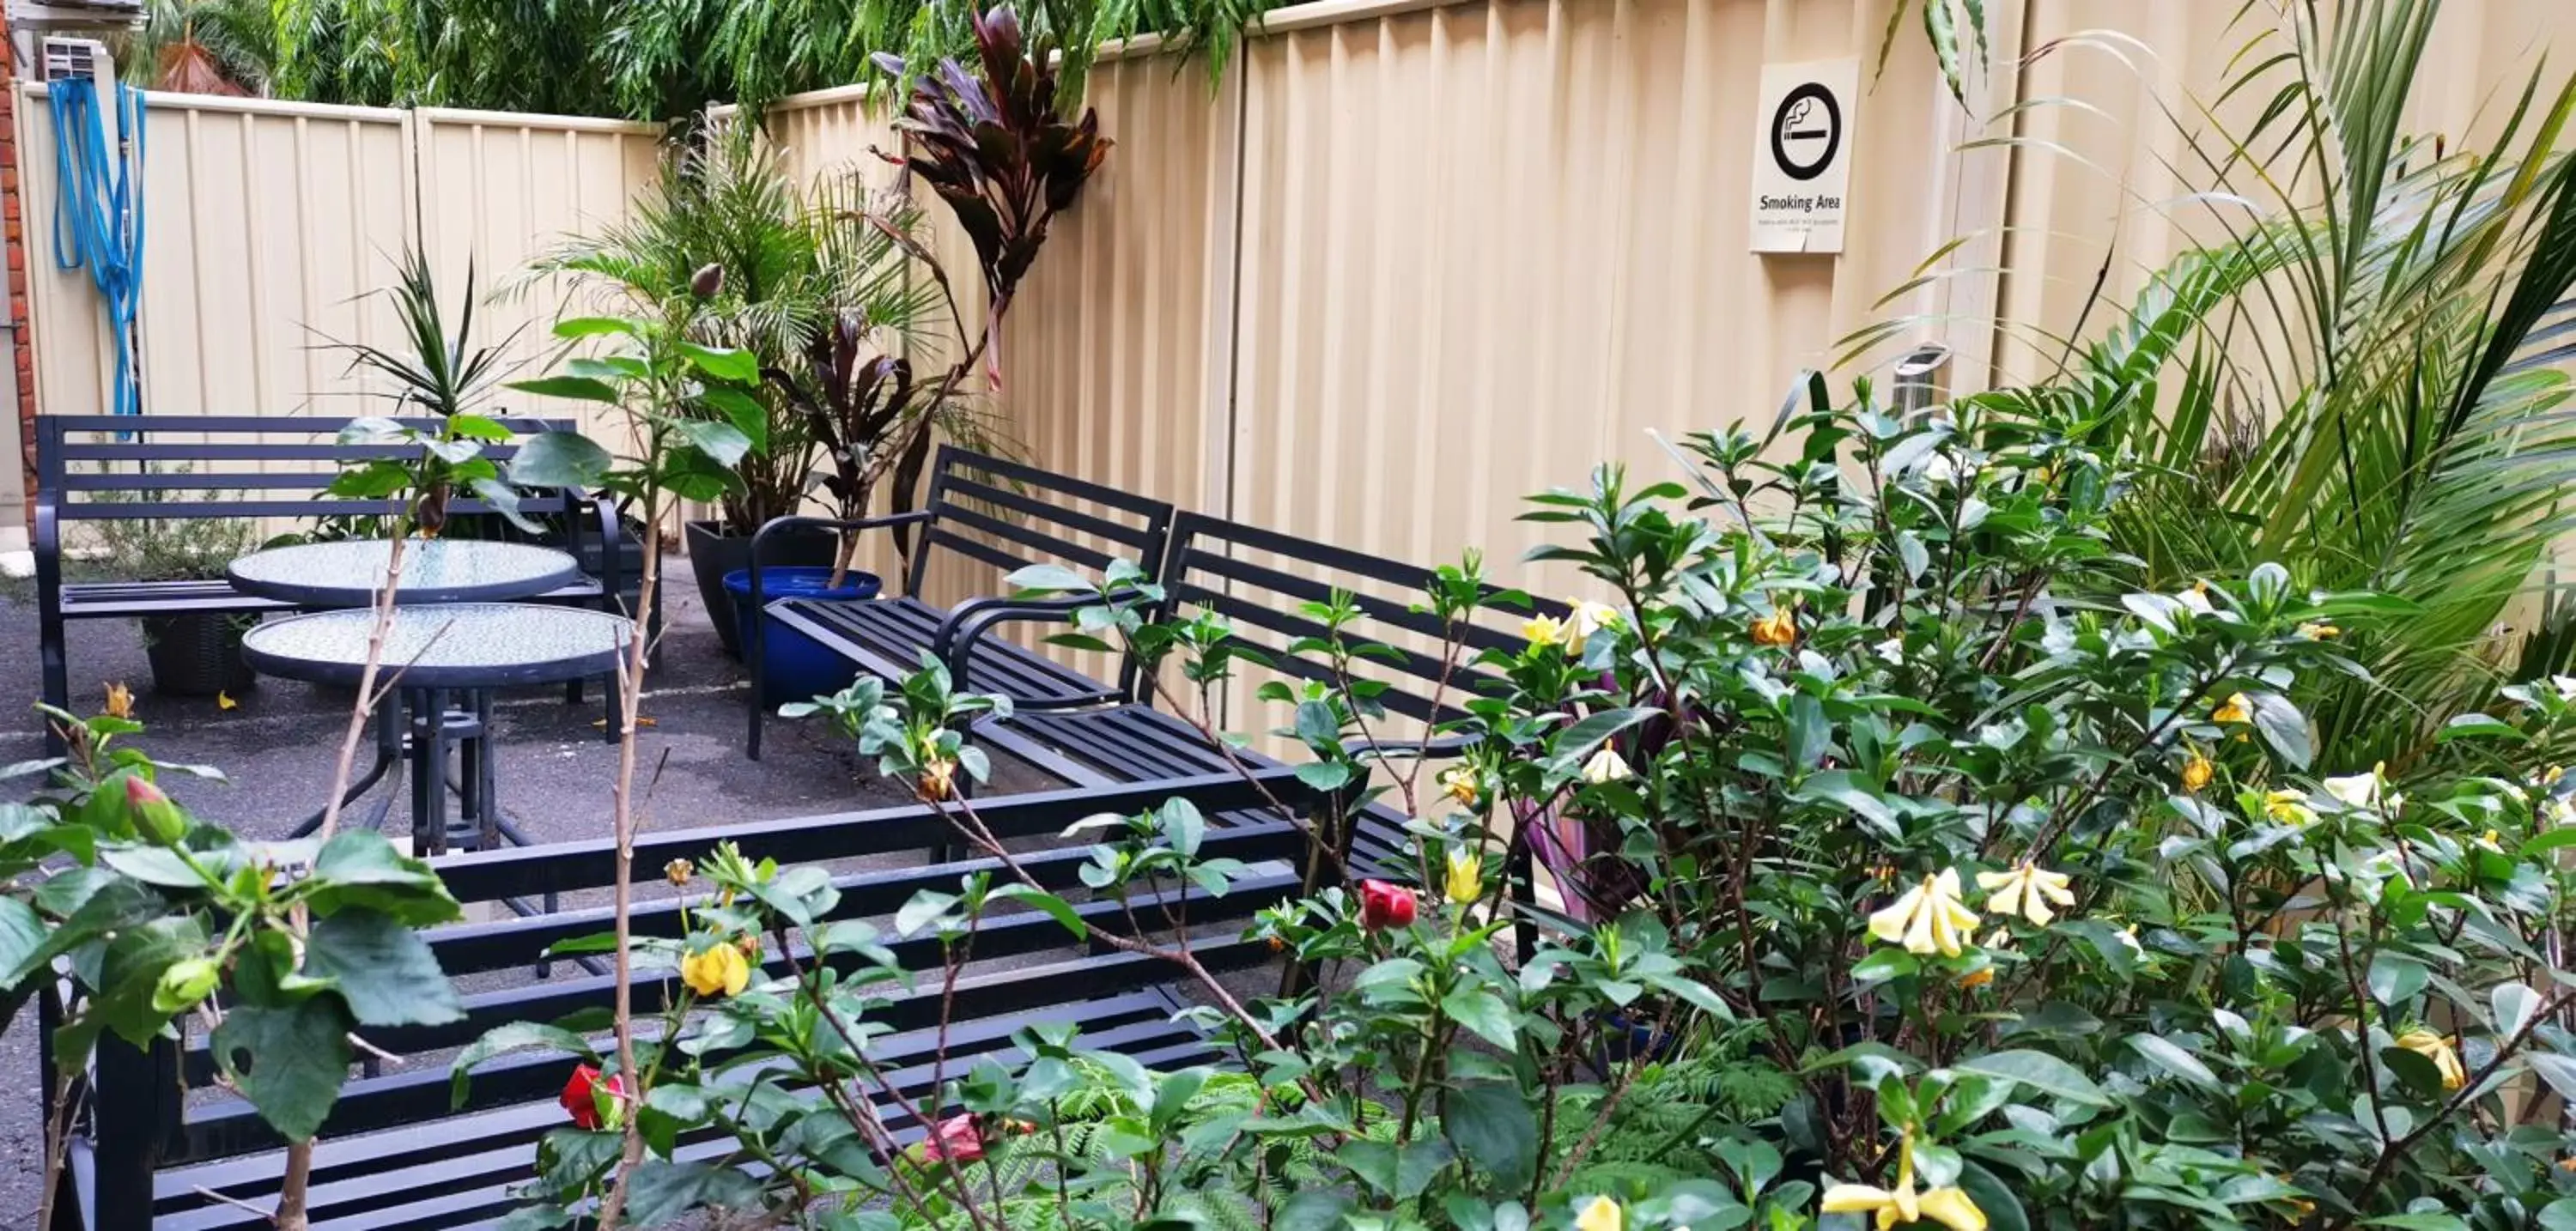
(1806, 132)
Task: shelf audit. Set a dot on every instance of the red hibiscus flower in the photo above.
(953, 1140)
(1385, 906)
(581, 1099)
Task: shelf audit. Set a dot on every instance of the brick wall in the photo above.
(12, 225)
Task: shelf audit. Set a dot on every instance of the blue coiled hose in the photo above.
(98, 211)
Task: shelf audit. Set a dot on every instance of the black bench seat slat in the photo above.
(111, 599)
(1139, 744)
(886, 638)
(420, 1171)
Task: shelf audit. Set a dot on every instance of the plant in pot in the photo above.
(193, 653)
(996, 148)
(794, 262)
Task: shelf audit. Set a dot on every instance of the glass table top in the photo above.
(454, 645)
(348, 573)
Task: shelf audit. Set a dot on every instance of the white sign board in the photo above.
(1802, 155)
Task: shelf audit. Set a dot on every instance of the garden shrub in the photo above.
(1902, 866)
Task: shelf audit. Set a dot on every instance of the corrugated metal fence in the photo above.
(269, 224)
(1411, 261)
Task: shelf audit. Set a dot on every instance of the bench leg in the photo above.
(57, 672)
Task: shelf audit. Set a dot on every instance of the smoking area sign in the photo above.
(1802, 155)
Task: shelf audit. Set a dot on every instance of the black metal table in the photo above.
(349, 573)
(446, 661)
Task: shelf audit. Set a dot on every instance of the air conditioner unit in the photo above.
(61, 58)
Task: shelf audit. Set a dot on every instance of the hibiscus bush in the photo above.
(1862, 849)
(147, 923)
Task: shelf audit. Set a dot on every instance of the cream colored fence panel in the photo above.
(268, 226)
(1486, 245)
(832, 132)
(500, 190)
(264, 222)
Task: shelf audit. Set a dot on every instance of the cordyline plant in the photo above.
(1890, 883)
(997, 151)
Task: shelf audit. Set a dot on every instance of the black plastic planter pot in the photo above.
(197, 654)
(713, 553)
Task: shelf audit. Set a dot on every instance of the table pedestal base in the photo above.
(422, 727)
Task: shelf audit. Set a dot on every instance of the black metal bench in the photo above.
(1260, 580)
(983, 510)
(124, 467)
(396, 1154)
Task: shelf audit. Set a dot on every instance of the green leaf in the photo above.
(577, 388)
(384, 970)
(2002, 1206)
(662, 1191)
(1055, 907)
(724, 363)
(593, 326)
(560, 460)
(130, 970)
(2428, 1221)
(1324, 775)
(2039, 1071)
(2394, 977)
(2557, 1070)
(1399, 1173)
(1587, 733)
(2477, 726)
(1046, 579)
(288, 1061)
(517, 1036)
(741, 409)
(358, 867)
(1494, 1128)
(1182, 825)
(2515, 1005)
(2165, 1054)
(22, 933)
(2418, 1072)
(1312, 1210)
(2283, 727)
(478, 427)
(925, 908)
(723, 443)
(1882, 965)
(1481, 1011)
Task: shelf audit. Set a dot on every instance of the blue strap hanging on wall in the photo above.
(98, 211)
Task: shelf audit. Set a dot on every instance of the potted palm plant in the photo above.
(795, 260)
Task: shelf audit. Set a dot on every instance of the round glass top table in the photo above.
(444, 662)
(350, 572)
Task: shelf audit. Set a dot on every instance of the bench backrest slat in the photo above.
(1008, 514)
(76, 475)
(1244, 573)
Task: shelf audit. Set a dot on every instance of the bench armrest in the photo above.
(970, 621)
(1438, 747)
